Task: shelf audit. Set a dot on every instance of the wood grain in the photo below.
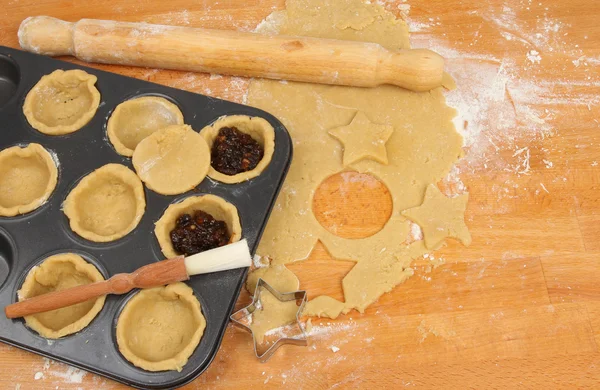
(321, 274)
(519, 308)
(237, 53)
(352, 204)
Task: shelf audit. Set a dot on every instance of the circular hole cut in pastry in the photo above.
(258, 128)
(172, 160)
(136, 119)
(159, 328)
(106, 204)
(56, 273)
(338, 197)
(62, 102)
(217, 207)
(28, 175)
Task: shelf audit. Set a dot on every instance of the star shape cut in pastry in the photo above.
(363, 139)
(440, 217)
(273, 319)
(321, 274)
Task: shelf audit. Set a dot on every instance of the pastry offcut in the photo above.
(258, 128)
(172, 160)
(106, 204)
(62, 102)
(217, 207)
(160, 328)
(136, 119)
(56, 273)
(271, 314)
(28, 175)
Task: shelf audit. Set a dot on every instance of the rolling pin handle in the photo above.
(416, 69)
(46, 35)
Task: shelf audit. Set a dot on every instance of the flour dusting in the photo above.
(260, 261)
(505, 105)
(415, 233)
(56, 374)
(534, 56)
(326, 330)
(71, 375)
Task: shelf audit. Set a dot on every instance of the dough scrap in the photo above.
(62, 102)
(135, 119)
(56, 273)
(421, 150)
(28, 176)
(271, 314)
(159, 328)
(324, 306)
(440, 217)
(258, 128)
(355, 18)
(351, 20)
(106, 204)
(278, 276)
(172, 160)
(363, 140)
(218, 207)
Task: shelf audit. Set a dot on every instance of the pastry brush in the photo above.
(235, 255)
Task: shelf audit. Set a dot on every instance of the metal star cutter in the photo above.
(265, 344)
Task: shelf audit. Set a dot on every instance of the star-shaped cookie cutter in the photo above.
(243, 318)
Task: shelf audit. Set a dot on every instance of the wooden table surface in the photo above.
(521, 305)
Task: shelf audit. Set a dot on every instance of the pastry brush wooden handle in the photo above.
(315, 60)
(152, 275)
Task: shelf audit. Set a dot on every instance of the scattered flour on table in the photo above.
(433, 260)
(71, 375)
(322, 331)
(452, 185)
(57, 374)
(281, 332)
(534, 56)
(506, 105)
(326, 330)
(436, 330)
(172, 18)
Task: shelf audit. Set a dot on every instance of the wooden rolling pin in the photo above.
(178, 269)
(324, 61)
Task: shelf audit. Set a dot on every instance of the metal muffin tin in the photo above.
(26, 240)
